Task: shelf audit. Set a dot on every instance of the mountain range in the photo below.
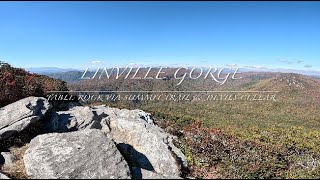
(49, 70)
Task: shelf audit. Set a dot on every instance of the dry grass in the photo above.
(17, 170)
(206, 172)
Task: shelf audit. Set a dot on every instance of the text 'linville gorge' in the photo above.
(218, 75)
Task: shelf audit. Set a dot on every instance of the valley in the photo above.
(263, 135)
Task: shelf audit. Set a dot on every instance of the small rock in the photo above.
(2, 176)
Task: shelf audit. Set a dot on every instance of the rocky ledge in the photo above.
(91, 142)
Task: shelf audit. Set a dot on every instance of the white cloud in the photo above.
(232, 65)
(299, 61)
(95, 62)
(286, 61)
(256, 67)
(292, 61)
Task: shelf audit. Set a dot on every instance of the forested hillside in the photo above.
(16, 83)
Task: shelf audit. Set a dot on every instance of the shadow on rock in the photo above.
(1, 160)
(59, 123)
(135, 160)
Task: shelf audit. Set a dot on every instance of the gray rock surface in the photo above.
(19, 115)
(76, 118)
(144, 144)
(2, 176)
(141, 142)
(139, 173)
(8, 158)
(81, 154)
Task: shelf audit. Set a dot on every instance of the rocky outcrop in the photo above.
(144, 144)
(80, 154)
(18, 116)
(2, 176)
(84, 117)
(91, 142)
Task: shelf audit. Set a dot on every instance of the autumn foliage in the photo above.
(16, 83)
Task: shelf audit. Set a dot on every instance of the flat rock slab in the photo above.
(76, 155)
(19, 115)
(76, 118)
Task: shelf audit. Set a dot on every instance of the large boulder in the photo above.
(81, 154)
(143, 143)
(146, 145)
(18, 116)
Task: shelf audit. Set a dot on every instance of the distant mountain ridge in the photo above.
(56, 72)
(48, 70)
(74, 75)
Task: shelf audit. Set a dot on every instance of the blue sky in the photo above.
(72, 34)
